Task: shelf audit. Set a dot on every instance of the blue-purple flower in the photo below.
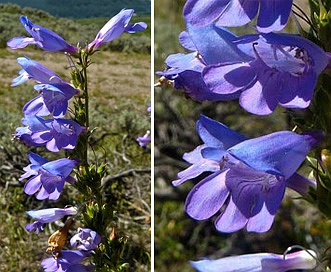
(47, 215)
(115, 27)
(36, 71)
(143, 141)
(85, 239)
(67, 261)
(272, 14)
(55, 134)
(248, 176)
(42, 37)
(48, 178)
(262, 70)
(149, 108)
(260, 262)
(53, 99)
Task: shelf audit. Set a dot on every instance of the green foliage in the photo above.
(72, 31)
(85, 8)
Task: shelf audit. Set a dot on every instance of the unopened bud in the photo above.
(112, 235)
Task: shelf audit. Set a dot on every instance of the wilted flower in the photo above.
(115, 27)
(144, 140)
(249, 175)
(260, 262)
(42, 37)
(55, 134)
(53, 98)
(36, 71)
(262, 70)
(48, 177)
(86, 239)
(68, 260)
(272, 14)
(47, 216)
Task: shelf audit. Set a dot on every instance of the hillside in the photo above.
(85, 8)
(74, 31)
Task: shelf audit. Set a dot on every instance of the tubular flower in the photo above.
(260, 262)
(42, 37)
(55, 134)
(262, 70)
(34, 70)
(48, 178)
(115, 27)
(47, 216)
(248, 176)
(69, 261)
(53, 98)
(86, 239)
(272, 14)
(144, 140)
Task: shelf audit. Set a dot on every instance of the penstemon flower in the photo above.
(249, 175)
(48, 178)
(42, 37)
(115, 27)
(85, 239)
(260, 262)
(55, 134)
(53, 99)
(36, 71)
(262, 70)
(69, 260)
(144, 140)
(47, 216)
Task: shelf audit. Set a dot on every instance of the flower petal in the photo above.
(273, 15)
(207, 197)
(215, 134)
(20, 42)
(261, 222)
(231, 219)
(279, 153)
(32, 185)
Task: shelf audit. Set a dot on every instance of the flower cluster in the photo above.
(243, 181)
(47, 124)
(55, 133)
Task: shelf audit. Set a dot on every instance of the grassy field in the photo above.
(119, 86)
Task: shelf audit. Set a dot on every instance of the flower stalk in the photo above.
(45, 125)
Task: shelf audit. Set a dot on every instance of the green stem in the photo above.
(83, 59)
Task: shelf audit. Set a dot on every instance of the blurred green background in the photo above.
(179, 239)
